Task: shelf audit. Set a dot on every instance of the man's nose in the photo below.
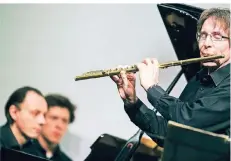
(208, 41)
(41, 119)
(59, 125)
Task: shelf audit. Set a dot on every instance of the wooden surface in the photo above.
(153, 145)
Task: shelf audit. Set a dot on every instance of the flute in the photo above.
(133, 68)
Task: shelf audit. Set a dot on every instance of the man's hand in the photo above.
(148, 72)
(126, 86)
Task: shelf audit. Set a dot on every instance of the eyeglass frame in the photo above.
(211, 37)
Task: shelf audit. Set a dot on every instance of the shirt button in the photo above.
(205, 79)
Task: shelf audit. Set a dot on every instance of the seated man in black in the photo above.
(24, 110)
(60, 114)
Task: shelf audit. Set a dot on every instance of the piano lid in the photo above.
(180, 21)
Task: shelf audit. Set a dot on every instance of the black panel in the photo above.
(180, 21)
(107, 147)
(14, 155)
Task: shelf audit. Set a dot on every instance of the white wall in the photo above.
(46, 46)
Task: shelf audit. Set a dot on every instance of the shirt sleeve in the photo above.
(146, 119)
(205, 112)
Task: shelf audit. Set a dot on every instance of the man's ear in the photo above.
(13, 112)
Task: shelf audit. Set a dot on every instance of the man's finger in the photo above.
(140, 66)
(121, 92)
(155, 62)
(124, 79)
(147, 61)
(131, 76)
(115, 78)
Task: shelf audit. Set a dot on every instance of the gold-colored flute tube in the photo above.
(133, 68)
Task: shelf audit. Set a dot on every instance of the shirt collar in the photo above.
(217, 76)
(10, 140)
(56, 152)
(220, 74)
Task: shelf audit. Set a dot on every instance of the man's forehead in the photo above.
(34, 101)
(58, 111)
(214, 24)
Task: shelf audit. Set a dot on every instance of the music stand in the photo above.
(185, 143)
(14, 155)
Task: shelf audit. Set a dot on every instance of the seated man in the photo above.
(24, 110)
(60, 114)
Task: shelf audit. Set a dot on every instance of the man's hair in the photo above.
(63, 102)
(221, 15)
(16, 98)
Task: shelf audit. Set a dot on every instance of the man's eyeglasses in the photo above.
(214, 36)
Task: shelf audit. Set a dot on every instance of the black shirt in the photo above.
(8, 140)
(204, 104)
(37, 150)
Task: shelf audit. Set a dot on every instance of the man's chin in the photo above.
(54, 141)
(33, 136)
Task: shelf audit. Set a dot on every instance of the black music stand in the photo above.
(185, 143)
(15, 155)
